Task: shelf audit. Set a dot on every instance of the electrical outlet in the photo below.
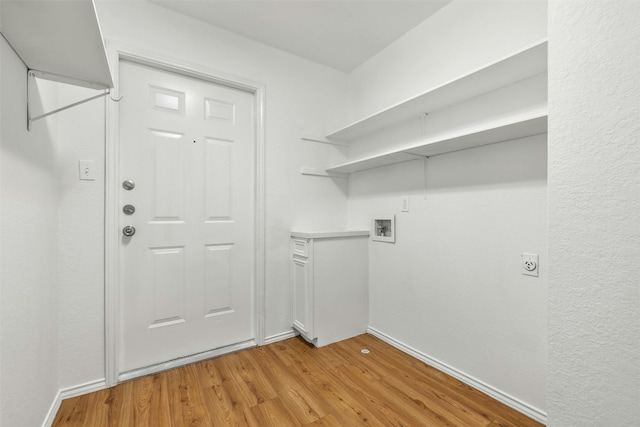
(530, 265)
(404, 204)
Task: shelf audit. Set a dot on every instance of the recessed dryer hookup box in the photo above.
(384, 228)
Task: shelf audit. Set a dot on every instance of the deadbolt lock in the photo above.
(129, 231)
(128, 209)
(128, 185)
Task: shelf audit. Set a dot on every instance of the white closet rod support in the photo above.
(42, 116)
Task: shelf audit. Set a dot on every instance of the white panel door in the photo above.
(186, 275)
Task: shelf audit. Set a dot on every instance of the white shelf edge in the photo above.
(372, 162)
(363, 126)
(515, 127)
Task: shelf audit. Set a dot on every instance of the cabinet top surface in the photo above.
(327, 234)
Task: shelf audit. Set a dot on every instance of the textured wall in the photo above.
(81, 239)
(28, 253)
(594, 206)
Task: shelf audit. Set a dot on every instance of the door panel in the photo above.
(186, 276)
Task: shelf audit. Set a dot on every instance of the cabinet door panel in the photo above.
(302, 297)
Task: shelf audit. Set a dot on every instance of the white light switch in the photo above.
(87, 169)
(404, 204)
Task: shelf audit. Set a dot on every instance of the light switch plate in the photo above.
(404, 205)
(87, 170)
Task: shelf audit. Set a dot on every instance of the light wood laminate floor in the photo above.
(291, 383)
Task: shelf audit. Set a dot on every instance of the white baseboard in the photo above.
(68, 392)
(53, 410)
(280, 337)
(498, 395)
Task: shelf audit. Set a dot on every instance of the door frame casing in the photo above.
(117, 52)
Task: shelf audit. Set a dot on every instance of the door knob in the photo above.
(129, 231)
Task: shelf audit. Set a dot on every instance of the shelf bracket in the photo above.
(32, 74)
(323, 141)
(322, 172)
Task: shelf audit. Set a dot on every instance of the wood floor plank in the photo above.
(224, 411)
(241, 387)
(390, 407)
(186, 402)
(434, 412)
(462, 398)
(292, 383)
(434, 401)
(259, 382)
(273, 413)
(120, 405)
(72, 412)
(307, 370)
(98, 401)
(304, 404)
(327, 421)
(149, 401)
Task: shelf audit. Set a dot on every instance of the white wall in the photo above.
(594, 205)
(28, 252)
(451, 286)
(301, 97)
(80, 136)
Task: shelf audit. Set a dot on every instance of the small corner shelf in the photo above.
(523, 64)
(59, 39)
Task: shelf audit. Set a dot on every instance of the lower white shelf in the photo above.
(521, 126)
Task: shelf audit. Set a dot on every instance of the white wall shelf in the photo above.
(523, 64)
(521, 126)
(371, 162)
(62, 39)
(513, 68)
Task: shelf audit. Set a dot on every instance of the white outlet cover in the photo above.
(527, 259)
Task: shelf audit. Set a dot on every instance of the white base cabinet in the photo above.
(329, 273)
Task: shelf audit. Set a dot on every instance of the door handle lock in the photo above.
(129, 231)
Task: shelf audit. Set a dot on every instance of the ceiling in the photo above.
(340, 34)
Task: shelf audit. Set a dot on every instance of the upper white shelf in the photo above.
(533, 123)
(60, 38)
(518, 66)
